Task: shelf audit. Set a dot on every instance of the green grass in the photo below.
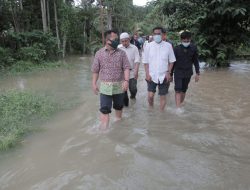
(19, 111)
(21, 67)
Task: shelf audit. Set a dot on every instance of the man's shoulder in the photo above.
(193, 46)
(100, 51)
(166, 44)
(120, 46)
(179, 46)
(120, 51)
(133, 47)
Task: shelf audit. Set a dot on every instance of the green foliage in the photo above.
(18, 111)
(35, 53)
(217, 25)
(34, 46)
(6, 58)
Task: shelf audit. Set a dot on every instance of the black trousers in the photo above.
(132, 90)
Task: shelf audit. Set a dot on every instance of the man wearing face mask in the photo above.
(186, 56)
(134, 60)
(112, 66)
(158, 58)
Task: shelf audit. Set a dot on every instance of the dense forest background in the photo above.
(38, 31)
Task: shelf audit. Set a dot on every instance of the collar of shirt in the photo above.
(158, 43)
(129, 46)
(110, 51)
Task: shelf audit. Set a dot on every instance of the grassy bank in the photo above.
(18, 111)
(28, 67)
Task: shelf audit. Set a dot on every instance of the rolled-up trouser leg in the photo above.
(133, 87)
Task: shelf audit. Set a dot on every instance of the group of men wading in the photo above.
(116, 65)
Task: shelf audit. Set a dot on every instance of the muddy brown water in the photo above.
(207, 147)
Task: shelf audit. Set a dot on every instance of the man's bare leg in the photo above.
(162, 102)
(104, 121)
(118, 115)
(183, 95)
(178, 98)
(151, 99)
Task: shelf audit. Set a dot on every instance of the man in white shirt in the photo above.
(134, 60)
(158, 59)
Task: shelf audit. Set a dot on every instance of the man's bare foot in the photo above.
(117, 119)
(103, 127)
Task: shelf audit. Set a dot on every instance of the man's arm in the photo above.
(137, 63)
(196, 65)
(136, 71)
(126, 71)
(145, 60)
(171, 61)
(146, 67)
(168, 74)
(95, 77)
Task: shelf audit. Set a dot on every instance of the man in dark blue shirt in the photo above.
(186, 56)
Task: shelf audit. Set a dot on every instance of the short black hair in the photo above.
(185, 35)
(108, 32)
(158, 28)
(164, 30)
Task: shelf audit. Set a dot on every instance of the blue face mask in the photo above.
(157, 38)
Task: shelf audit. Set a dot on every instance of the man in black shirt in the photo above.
(186, 56)
(134, 40)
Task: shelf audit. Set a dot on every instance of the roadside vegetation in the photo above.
(19, 112)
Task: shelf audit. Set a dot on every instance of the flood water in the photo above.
(205, 148)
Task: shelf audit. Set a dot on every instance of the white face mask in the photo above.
(185, 44)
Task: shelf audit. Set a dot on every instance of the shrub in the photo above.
(6, 58)
(35, 53)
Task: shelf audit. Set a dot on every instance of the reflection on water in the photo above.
(206, 147)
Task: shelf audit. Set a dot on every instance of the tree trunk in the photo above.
(84, 36)
(15, 18)
(64, 44)
(57, 30)
(44, 15)
(48, 16)
(109, 19)
(21, 4)
(64, 39)
(101, 21)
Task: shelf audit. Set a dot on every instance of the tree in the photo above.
(218, 26)
(44, 15)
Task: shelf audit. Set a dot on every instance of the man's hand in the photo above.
(125, 85)
(148, 78)
(95, 89)
(171, 79)
(197, 77)
(168, 77)
(136, 75)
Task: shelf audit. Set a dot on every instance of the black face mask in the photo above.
(114, 43)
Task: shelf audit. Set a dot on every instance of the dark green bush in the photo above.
(35, 53)
(6, 58)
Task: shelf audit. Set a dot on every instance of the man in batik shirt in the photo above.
(112, 66)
